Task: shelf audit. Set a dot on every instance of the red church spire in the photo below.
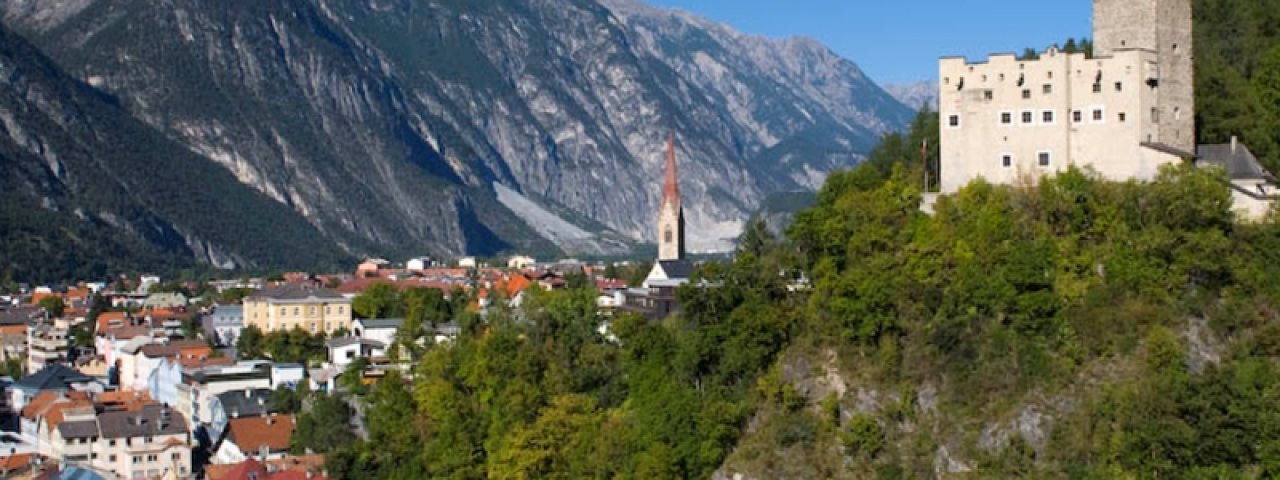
(671, 189)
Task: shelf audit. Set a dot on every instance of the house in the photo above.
(13, 332)
(418, 264)
(251, 469)
(123, 433)
(288, 375)
(1254, 190)
(165, 300)
(377, 329)
(342, 351)
(467, 262)
(200, 387)
(521, 262)
(223, 326)
(136, 367)
(46, 345)
(310, 308)
(370, 267)
(231, 405)
(148, 442)
(262, 438)
(55, 378)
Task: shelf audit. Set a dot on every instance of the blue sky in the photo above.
(899, 41)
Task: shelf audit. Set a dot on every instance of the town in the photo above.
(147, 378)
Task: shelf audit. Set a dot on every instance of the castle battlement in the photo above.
(1006, 119)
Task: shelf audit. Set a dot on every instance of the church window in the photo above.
(666, 235)
(1155, 115)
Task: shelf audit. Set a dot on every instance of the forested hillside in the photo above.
(1238, 74)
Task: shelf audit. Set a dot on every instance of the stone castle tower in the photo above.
(671, 213)
(1164, 27)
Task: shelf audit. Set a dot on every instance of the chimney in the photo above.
(271, 420)
(1235, 143)
(248, 393)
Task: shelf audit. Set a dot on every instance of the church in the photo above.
(656, 298)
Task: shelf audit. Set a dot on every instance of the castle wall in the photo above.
(1008, 120)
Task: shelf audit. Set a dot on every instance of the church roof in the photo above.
(676, 269)
(671, 187)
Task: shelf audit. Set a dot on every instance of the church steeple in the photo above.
(671, 213)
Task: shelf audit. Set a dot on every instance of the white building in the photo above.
(1123, 112)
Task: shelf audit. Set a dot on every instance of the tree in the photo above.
(251, 343)
(323, 427)
(380, 300)
(53, 306)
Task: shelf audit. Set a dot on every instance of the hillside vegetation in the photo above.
(1080, 329)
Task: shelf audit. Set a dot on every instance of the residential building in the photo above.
(46, 345)
(262, 438)
(377, 329)
(343, 351)
(165, 300)
(53, 378)
(224, 324)
(150, 442)
(200, 386)
(288, 375)
(229, 406)
(137, 364)
(313, 309)
(1123, 112)
(281, 469)
(521, 262)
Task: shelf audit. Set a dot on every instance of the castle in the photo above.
(1124, 111)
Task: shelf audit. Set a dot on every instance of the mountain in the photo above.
(393, 126)
(87, 190)
(916, 94)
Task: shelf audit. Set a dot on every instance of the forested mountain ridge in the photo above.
(89, 191)
(386, 122)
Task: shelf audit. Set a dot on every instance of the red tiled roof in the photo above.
(251, 433)
(106, 318)
(13, 463)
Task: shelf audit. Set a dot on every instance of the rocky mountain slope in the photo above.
(386, 123)
(916, 94)
(86, 189)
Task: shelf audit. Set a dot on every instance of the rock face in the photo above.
(916, 94)
(386, 123)
(86, 190)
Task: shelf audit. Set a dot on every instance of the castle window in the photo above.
(1097, 114)
(1122, 117)
(1047, 117)
(1027, 117)
(1177, 113)
(1097, 88)
(1119, 87)
(1046, 159)
(953, 121)
(1077, 116)
(1006, 118)
(1155, 115)
(1026, 93)
(1006, 160)
(1048, 88)
(946, 80)
(988, 95)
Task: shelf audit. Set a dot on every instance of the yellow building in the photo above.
(310, 308)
